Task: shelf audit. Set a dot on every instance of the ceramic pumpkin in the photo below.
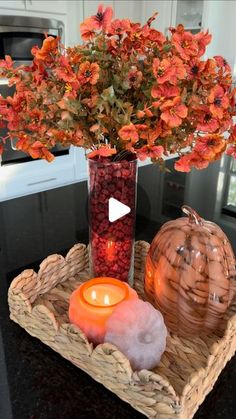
(189, 275)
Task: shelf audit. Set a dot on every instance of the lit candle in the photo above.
(93, 303)
(111, 250)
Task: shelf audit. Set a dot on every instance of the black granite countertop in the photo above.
(35, 382)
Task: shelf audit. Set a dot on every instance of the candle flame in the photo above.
(110, 244)
(106, 300)
(93, 295)
(110, 250)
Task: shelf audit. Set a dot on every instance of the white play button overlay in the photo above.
(116, 209)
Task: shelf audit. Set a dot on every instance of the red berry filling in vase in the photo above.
(112, 243)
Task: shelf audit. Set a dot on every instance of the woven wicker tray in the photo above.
(174, 389)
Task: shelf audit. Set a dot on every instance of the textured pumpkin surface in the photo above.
(189, 274)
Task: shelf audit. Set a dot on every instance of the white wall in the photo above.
(220, 18)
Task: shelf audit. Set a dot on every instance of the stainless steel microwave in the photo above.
(18, 34)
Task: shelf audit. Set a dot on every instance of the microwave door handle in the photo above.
(12, 145)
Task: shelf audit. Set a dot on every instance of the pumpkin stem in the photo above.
(192, 214)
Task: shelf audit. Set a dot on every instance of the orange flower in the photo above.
(193, 159)
(162, 70)
(49, 47)
(102, 20)
(91, 101)
(209, 68)
(37, 150)
(163, 92)
(173, 111)
(64, 70)
(232, 137)
(195, 68)
(222, 63)
(47, 155)
(145, 112)
(206, 122)
(78, 138)
(87, 33)
(135, 77)
(142, 130)
(203, 39)
(119, 27)
(7, 63)
(179, 70)
(102, 151)
(140, 114)
(183, 164)
(128, 133)
(155, 133)
(153, 151)
(231, 151)
(88, 73)
(219, 101)
(210, 147)
(156, 36)
(185, 43)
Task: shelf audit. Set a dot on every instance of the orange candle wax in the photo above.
(94, 301)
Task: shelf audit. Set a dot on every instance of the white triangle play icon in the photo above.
(116, 209)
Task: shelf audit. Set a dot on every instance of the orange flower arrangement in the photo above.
(127, 88)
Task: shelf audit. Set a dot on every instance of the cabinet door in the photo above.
(22, 225)
(188, 13)
(35, 176)
(55, 6)
(59, 219)
(13, 4)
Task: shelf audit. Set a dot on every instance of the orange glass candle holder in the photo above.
(93, 303)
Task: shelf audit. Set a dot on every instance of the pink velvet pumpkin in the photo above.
(189, 276)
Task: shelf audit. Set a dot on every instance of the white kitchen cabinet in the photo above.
(45, 6)
(36, 176)
(81, 170)
(189, 13)
(13, 4)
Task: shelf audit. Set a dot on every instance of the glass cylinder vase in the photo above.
(111, 184)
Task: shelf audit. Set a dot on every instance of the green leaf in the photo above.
(167, 47)
(108, 95)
